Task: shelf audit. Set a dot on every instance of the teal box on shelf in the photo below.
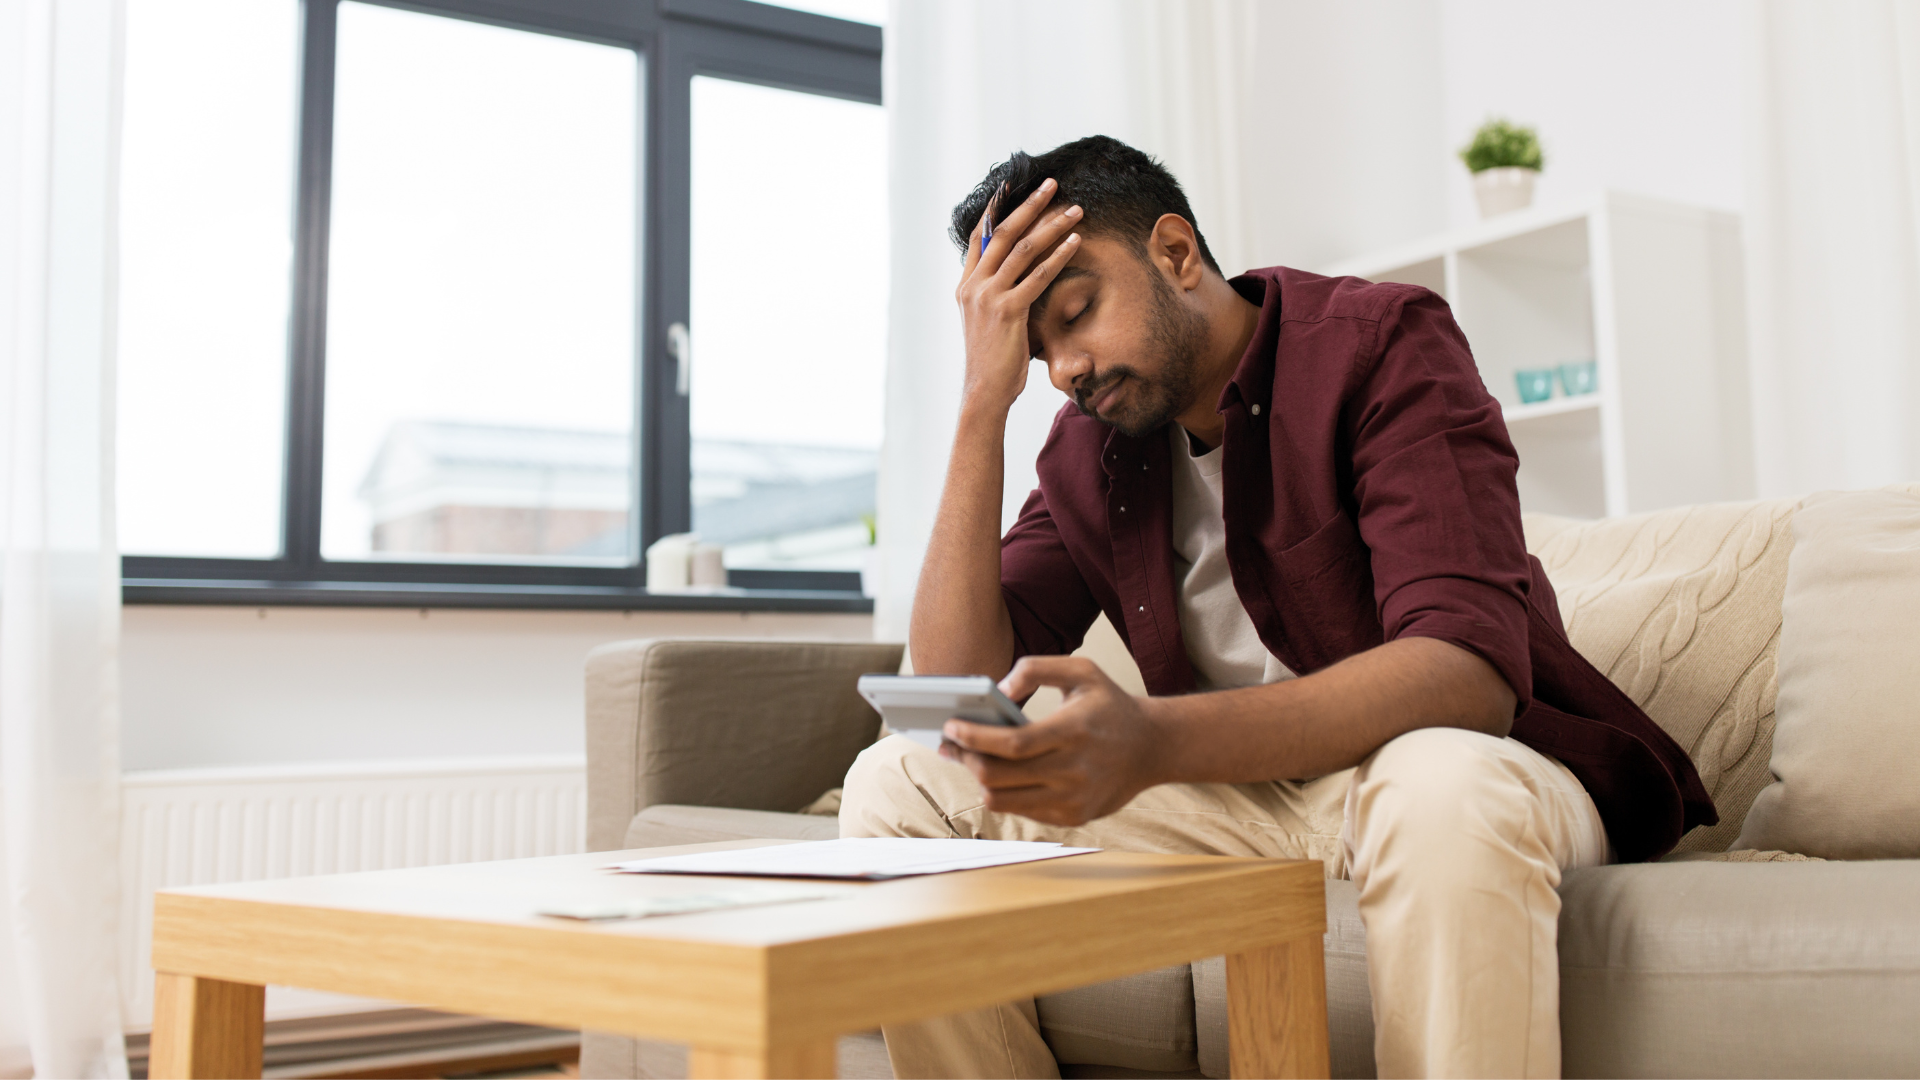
(1579, 377)
(1536, 384)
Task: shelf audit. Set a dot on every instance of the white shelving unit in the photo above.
(1654, 291)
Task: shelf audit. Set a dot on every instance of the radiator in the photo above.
(206, 826)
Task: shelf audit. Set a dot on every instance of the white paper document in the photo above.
(874, 858)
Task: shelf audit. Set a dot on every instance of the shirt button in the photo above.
(1123, 509)
(1256, 410)
(1143, 607)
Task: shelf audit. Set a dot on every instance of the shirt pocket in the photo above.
(1328, 579)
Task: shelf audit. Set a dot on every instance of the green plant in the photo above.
(1503, 144)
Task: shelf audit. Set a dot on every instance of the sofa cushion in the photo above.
(1740, 969)
(1681, 609)
(1143, 1022)
(1846, 748)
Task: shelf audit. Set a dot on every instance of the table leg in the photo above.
(1277, 1010)
(205, 1028)
(811, 1060)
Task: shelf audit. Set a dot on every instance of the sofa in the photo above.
(1735, 955)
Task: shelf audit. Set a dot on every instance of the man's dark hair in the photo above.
(1122, 190)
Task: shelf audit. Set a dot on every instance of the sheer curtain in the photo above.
(966, 84)
(1833, 240)
(59, 574)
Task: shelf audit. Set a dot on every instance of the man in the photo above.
(1293, 495)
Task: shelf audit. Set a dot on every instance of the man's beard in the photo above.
(1178, 336)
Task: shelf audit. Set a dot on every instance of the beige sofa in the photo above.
(1710, 963)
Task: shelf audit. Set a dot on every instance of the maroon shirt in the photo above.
(1369, 496)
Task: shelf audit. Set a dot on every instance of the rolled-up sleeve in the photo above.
(1048, 601)
(1434, 479)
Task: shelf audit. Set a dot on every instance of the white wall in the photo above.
(232, 686)
(1344, 150)
(1360, 108)
(1641, 95)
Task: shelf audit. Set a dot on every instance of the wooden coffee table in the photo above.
(755, 992)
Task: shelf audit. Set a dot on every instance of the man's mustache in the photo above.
(1086, 391)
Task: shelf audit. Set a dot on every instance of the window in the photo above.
(470, 301)
(206, 261)
(784, 460)
(480, 321)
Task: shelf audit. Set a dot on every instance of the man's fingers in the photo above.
(1042, 804)
(996, 772)
(1037, 241)
(1033, 672)
(1011, 743)
(1035, 283)
(1010, 228)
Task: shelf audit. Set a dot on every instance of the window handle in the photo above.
(680, 347)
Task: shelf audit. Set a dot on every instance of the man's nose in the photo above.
(1064, 370)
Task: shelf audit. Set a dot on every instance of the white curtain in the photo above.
(967, 84)
(1833, 242)
(59, 574)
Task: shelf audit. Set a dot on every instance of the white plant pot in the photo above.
(1502, 191)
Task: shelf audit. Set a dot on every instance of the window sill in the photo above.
(258, 593)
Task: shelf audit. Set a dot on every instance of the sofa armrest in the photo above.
(758, 725)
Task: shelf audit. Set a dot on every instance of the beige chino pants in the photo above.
(1455, 839)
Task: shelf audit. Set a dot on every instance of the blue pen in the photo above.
(986, 233)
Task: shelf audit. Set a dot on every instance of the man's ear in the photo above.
(1173, 245)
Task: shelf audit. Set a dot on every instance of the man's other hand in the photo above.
(1087, 760)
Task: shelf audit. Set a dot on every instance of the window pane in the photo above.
(481, 300)
(206, 203)
(789, 323)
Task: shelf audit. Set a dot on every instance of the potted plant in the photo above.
(1505, 158)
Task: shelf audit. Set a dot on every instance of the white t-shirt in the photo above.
(1221, 642)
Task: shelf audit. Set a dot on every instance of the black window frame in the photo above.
(676, 40)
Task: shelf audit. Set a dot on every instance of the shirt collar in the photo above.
(1252, 382)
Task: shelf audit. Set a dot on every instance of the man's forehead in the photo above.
(1067, 273)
